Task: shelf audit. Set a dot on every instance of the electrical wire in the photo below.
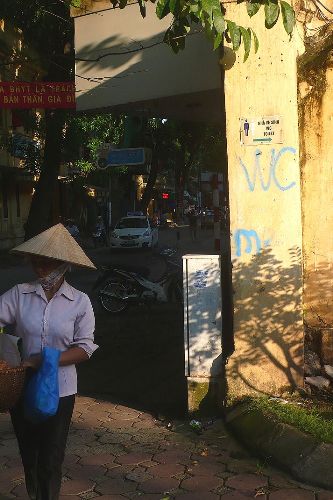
(133, 51)
(324, 6)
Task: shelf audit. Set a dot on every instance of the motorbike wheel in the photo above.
(109, 294)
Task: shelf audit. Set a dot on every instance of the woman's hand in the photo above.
(33, 362)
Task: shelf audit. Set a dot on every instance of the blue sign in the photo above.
(131, 156)
(22, 146)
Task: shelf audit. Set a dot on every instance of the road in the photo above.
(140, 359)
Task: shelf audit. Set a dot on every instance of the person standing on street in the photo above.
(193, 223)
(49, 313)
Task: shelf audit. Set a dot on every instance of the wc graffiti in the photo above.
(248, 240)
(273, 176)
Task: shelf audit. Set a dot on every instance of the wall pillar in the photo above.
(265, 211)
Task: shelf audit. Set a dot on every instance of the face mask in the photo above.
(52, 279)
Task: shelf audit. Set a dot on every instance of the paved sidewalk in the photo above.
(116, 452)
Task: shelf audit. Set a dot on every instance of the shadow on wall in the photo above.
(117, 71)
(268, 324)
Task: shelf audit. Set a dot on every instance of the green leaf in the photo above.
(255, 41)
(209, 31)
(246, 36)
(194, 8)
(142, 6)
(234, 34)
(219, 23)
(217, 41)
(272, 11)
(122, 3)
(174, 6)
(288, 17)
(162, 8)
(76, 3)
(252, 8)
(207, 7)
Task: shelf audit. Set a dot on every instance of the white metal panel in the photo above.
(202, 314)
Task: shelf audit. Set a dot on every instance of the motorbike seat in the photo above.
(141, 270)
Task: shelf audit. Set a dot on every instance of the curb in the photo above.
(300, 454)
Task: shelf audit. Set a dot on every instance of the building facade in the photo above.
(16, 183)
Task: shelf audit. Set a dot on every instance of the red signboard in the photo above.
(22, 95)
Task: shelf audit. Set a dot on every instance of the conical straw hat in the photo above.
(56, 243)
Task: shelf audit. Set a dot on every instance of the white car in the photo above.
(134, 232)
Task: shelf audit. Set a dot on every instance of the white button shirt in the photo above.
(67, 320)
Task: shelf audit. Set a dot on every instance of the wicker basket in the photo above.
(11, 385)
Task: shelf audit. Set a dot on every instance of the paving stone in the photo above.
(246, 483)
(19, 491)
(120, 471)
(159, 485)
(133, 458)
(143, 424)
(102, 459)
(89, 495)
(325, 495)
(11, 477)
(139, 475)
(201, 483)
(76, 486)
(86, 471)
(115, 438)
(242, 466)
(205, 468)
(71, 459)
(148, 463)
(167, 470)
(9, 461)
(115, 486)
(222, 457)
(111, 497)
(172, 457)
(234, 495)
(197, 496)
(293, 494)
(120, 453)
(279, 480)
(106, 449)
(147, 496)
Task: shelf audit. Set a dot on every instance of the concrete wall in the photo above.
(316, 115)
(265, 207)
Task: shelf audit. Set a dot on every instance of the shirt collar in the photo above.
(66, 290)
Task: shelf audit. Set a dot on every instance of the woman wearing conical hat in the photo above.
(49, 313)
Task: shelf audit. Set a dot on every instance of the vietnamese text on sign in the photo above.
(261, 130)
(25, 95)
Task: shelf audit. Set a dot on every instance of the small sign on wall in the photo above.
(261, 130)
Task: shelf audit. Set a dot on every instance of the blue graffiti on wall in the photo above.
(273, 167)
(252, 241)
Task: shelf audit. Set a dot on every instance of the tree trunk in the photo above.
(40, 211)
(148, 192)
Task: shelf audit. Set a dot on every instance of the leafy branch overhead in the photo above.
(211, 15)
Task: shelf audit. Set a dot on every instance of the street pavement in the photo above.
(118, 452)
(130, 437)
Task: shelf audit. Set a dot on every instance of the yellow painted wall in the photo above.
(316, 116)
(265, 208)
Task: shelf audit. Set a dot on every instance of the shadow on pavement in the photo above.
(140, 361)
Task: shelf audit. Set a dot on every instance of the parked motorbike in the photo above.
(120, 287)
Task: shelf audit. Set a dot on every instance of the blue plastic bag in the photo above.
(41, 398)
